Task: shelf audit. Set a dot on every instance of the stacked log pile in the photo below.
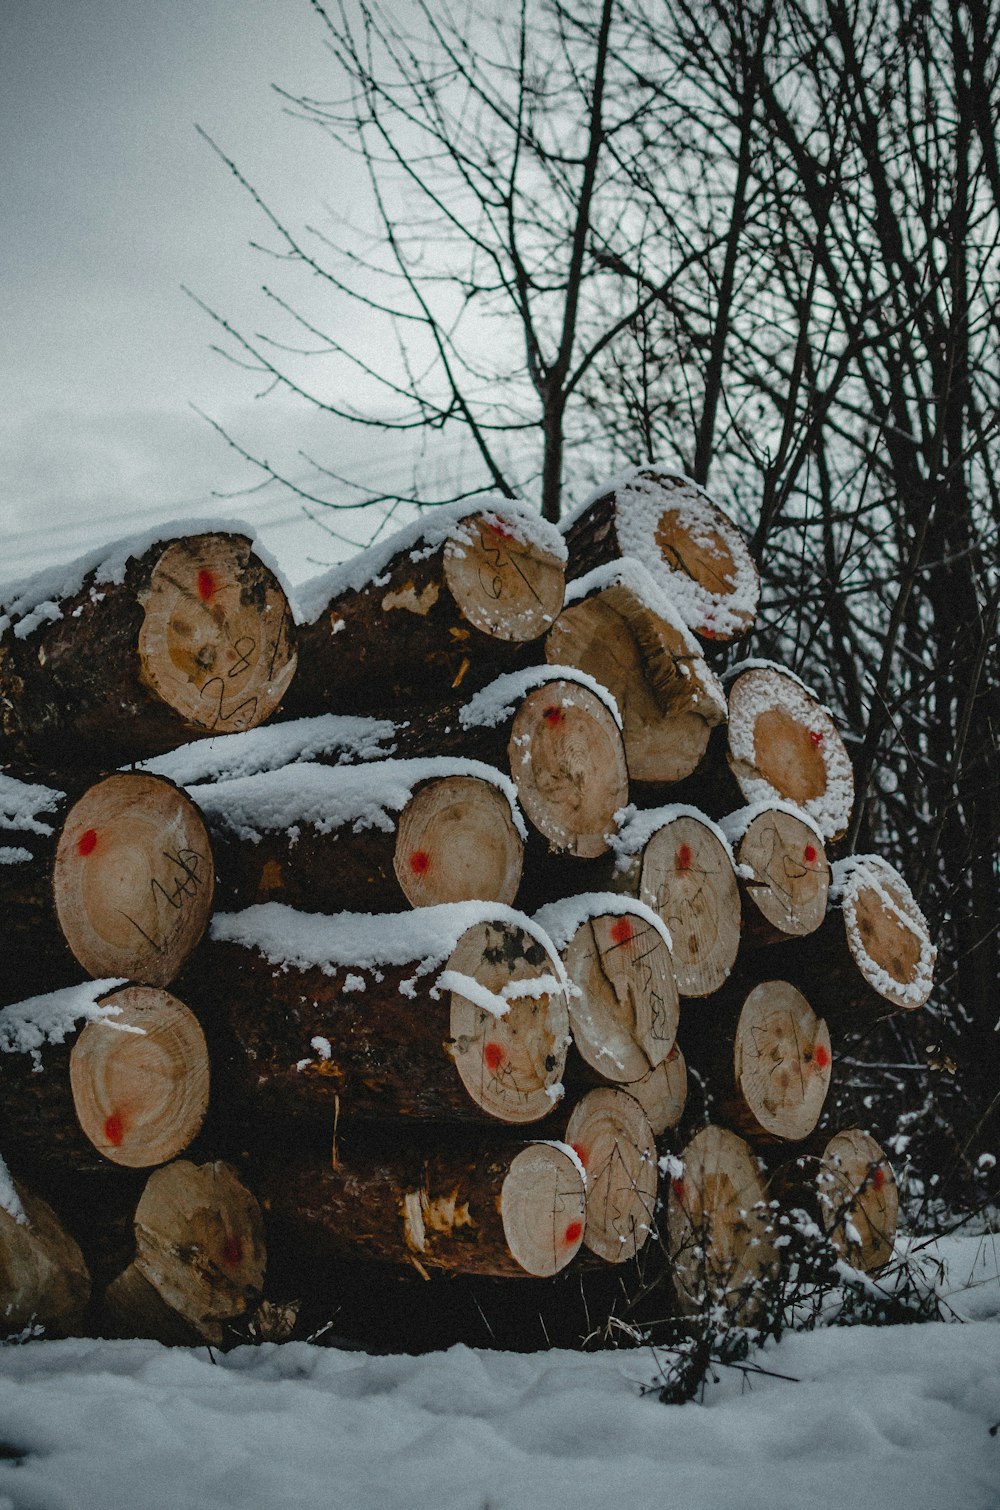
(412, 920)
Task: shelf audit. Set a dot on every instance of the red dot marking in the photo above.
(878, 1178)
(677, 1186)
(816, 737)
(232, 1251)
(494, 1055)
(114, 1129)
(88, 842)
(684, 857)
(821, 1056)
(622, 931)
(420, 862)
(810, 853)
(671, 1056)
(206, 585)
(553, 715)
(500, 529)
(573, 1232)
(581, 1153)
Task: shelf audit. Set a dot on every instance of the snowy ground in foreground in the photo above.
(896, 1418)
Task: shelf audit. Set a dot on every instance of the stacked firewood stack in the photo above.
(393, 926)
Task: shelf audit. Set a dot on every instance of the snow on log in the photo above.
(624, 631)
(719, 1226)
(500, 1210)
(783, 872)
(44, 1283)
(199, 1261)
(330, 739)
(452, 1012)
(143, 645)
(376, 838)
(680, 864)
(444, 604)
(846, 1183)
(623, 1013)
(612, 1138)
(693, 549)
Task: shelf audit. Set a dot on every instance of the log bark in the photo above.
(690, 546)
(847, 1185)
(471, 1026)
(375, 838)
(785, 894)
(445, 606)
(719, 1227)
(34, 956)
(44, 1281)
(620, 629)
(200, 1257)
(505, 1211)
(195, 638)
(614, 1142)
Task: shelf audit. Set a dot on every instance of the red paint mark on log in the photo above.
(206, 585)
(810, 853)
(677, 1186)
(671, 1057)
(622, 931)
(420, 862)
(88, 842)
(573, 1232)
(821, 1057)
(494, 1055)
(114, 1129)
(581, 1153)
(232, 1251)
(684, 857)
(878, 1177)
(553, 716)
(816, 737)
(499, 529)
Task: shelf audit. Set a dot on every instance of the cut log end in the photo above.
(505, 586)
(133, 879)
(662, 1093)
(782, 1061)
(456, 842)
(567, 761)
(791, 875)
(43, 1277)
(688, 877)
(511, 1062)
(624, 1021)
(719, 1227)
(858, 1199)
(614, 1141)
(216, 638)
(543, 1207)
(140, 1079)
(887, 934)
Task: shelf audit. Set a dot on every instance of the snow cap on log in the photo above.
(690, 545)
(887, 934)
(333, 739)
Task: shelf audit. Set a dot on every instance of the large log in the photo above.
(692, 548)
(446, 603)
(783, 871)
(374, 838)
(141, 646)
(450, 1012)
(505, 1211)
(44, 1283)
(199, 1261)
(92, 1075)
(846, 1184)
(612, 1138)
(662, 1093)
(623, 630)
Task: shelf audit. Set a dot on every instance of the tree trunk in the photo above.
(693, 550)
(614, 1142)
(44, 1281)
(195, 637)
(785, 894)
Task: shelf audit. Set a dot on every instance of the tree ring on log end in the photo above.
(781, 1060)
(141, 1096)
(611, 1134)
(688, 877)
(216, 641)
(133, 878)
(510, 1064)
(662, 1092)
(791, 875)
(543, 1207)
(783, 744)
(858, 1199)
(506, 586)
(719, 1227)
(567, 761)
(625, 1019)
(456, 842)
(887, 933)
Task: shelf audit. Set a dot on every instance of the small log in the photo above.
(44, 1281)
(444, 604)
(719, 1227)
(623, 1014)
(505, 1211)
(376, 838)
(144, 648)
(128, 1087)
(848, 1185)
(620, 628)
(679, 863)
(614, 1142)
(662, 1093)
(200, 1257)
(784, 875)
(693, 550)
(450, 1012)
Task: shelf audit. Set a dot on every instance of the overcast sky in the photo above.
(109, 202)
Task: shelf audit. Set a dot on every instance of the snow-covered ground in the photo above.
(895, 1418)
